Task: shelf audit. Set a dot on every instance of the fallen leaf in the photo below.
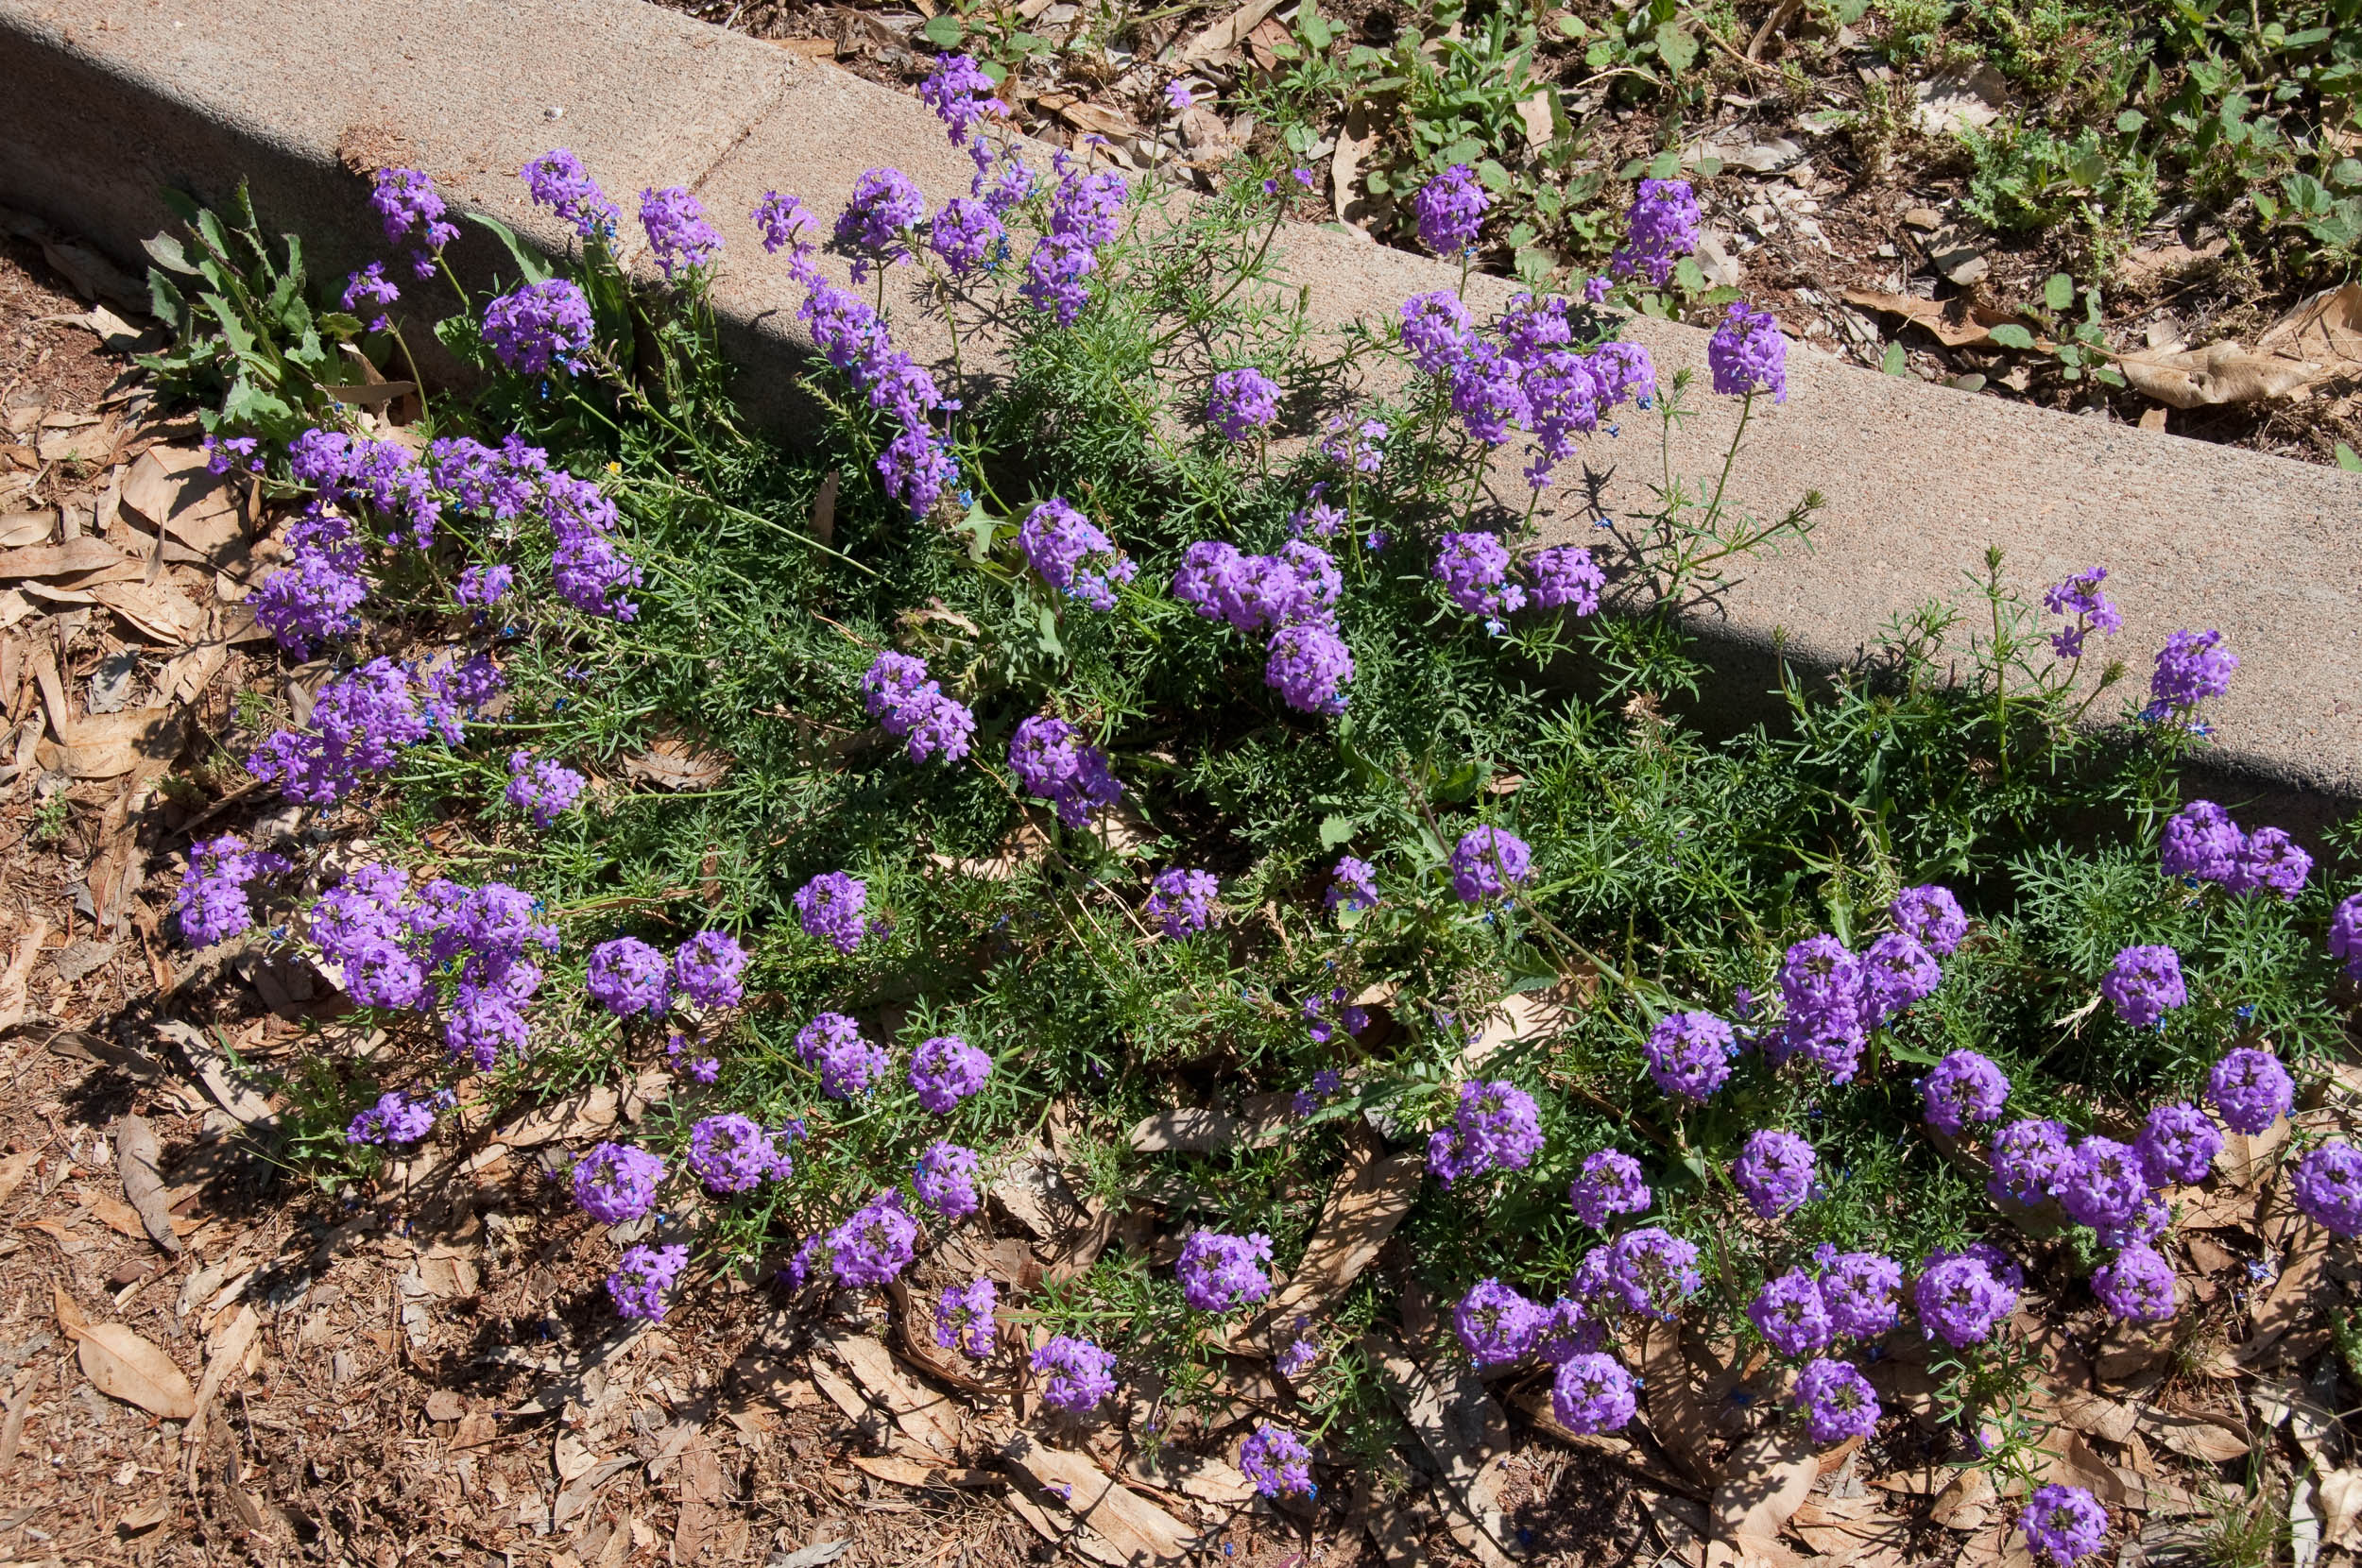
(1764, 1480)
(2097, 1414)
(12, 997)
(1199, 1475)
(2219, 373)
(577, 1495)
(571, 1457)
(1100, 120)
(1680, 1419)
(2341, 1506)
(1354, 141)
(673, 762)
(2304, 1526)
(2196, 1436)
(1970, 326)
(112, 744)
(823, 506)
(218, 1074)
(1954, 100)
(930, 1420)
(583, 1115)
(1266, 39)
(185, 678)
(126, 1367)
(1226, 34)
(2326, 328)
(909, 1472)
(2071, 1460)
(1371, 1195)
(158, 610)
(1682, 1523)
(2141, 266)
(18, 529)
(1962, 1505)
(1198, 1131)
(224, 1357)
(1134, 1526)
(170, 489)
(2247, 1160)
(87, 444)
(1458, 1424)
(14, 1169)
(69, 559)
(2304, 1276)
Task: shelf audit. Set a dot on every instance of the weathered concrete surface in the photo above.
(132, 95)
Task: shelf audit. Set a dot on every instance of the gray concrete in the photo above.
(115, 100)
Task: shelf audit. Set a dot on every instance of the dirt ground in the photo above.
(206, 1360)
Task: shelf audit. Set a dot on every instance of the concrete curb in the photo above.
(1918, 479)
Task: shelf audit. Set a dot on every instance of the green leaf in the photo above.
(1689, 276)
(535, 271)
(1338, 829)
(1046, 630)
(164, 251)
(1666, 165)
(1708, 167)
(2348, 459)
(164, 301)
(1314, 27)
(945, 31)
(2266, 208)
(2011, 335)
(2058, 291)
(1896, 362)
(1914, 1054)
(247, 405)
(1677, 49)
(2130, 121)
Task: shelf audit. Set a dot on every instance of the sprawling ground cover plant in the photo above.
(1158, 702)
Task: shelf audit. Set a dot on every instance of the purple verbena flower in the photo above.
(2191, 667)
(1567, 576)
(396, 1118)
(1790, 1314)
(1496, 1127)
(834, 1047)
(1487, 862)
(1931, 914)
(2270, 861)
(1219, 1272)
(2251, 1089)
(2137, 1286)
(1276, 1461)
(1309, 665)
(1862, 1290)
(2177, 1144)
(1073, 556)
(1591, 1392)
(557, 181)
(1611, 1182)
(1495, 1323)
(707, 969)
(2328, 1186)
(369, 292)
(2143, 983)
(628, 978)
(615, 1183)
(1895, 972)
(2200, 841)
(1354, 886)
(733, 1154)
(1836, 1400)
(961, 95)
(212, 903)
(2028, 1158)
(543, 790)
(413, 214)
(1774, 1170)
(679, 234)
(830, 907)
(1240, 402)
(1652, 1270)
(1748, 356)
(1660, 228)
(1964, 1087)
(2089, 609)
(1689, 1055)
(874, 1244)
(1451, 210)
(644, 1278)
(1051, 759)
(1077, 1375)
(1181, 903)
(946, 1070)
(883, 209)
(946, 1179)
(963, 1319)
(1960, 1299)
(2064, 1523)
(2102, 1184)
(540, 324)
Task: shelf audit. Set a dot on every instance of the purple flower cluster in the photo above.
(1219, 1272)
(1660, 228)
(966, 235)
(944, 1178)
(883, 209)
(543, 790)
(946, 1070)
(2080, 598)
(847, 1063)
(1498, 1127)
(1487, 862)
(1353, 885)
(213, 904)
(1962, 1088)
(2064, 1523)
(1276, 1461)
(2177, 1144)
(733, 1154)
(369, 292)
(1474, 570)
(1495, 1323)
(1293, 594)
(2191, 667)
(1077, 1375)
(1240, 402)
(1318, 1007)
(2101, 1185)
(1748, 356)
(557, 181)
(1836, 1400)
(1963, 1299)
(911, 707)
(1528, 375)
(1591, 1392)
(830, 907)
(1053, 761)
(1774, 1170)
(1790, 1314)
(2250, 1090)
(540, 324)
(707, 969)
(413, 214)
(360, 723)
(1649, 1270)
(2137, 1286)
(1085, 213)
(1611, 1184)
(2328, 1186)
(644, 1278)
(1073, 556)
(2028, 1158)
(1360, 447)
(629, 979)
(961, 95)
(2202, 843)
(963, 1319)
(1932, 915)
(2144, 984)
(1451, 210)
(679, 234)
(615, 1183)
(384, 943)
(1862, 1290)
(1181, 903)
(2345, 934)
(316, 597)
(1567, 576)
(396, 1118)
(874, 1244)
(1689, 1055)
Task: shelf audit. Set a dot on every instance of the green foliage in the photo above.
(2028, 179)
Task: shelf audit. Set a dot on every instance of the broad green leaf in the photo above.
(1495, 177)
(2058, 291)
(535, 270)
(164, 251)
(1666, 165)
(2348, 459)
(1896, 362)
(1338, 829)
(1689, 276)
(164, 301)
(1677, 49)
(2011, 335)
(944, 31)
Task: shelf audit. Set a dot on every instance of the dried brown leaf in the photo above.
(1371, 1195)
(157, 610)
(2325, 328)
(110, 745)
(930, 1420)
(1137, 1528)
(14, 1169)
(12, 979)
(170, 489)
(1971, 327)
(69, 559)
(2219, 373)
(1681, 1423)
(675, 762)
(1763, 1481)
(934, 1477)
(126, 1367)
(1227, 34)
